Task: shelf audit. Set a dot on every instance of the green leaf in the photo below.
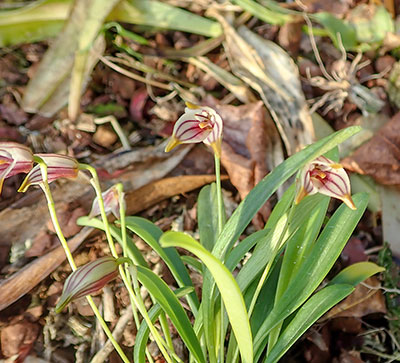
(314, 308)
(354, 274)
(233, 299)
(150, 233)
(267, 186)
(171, 305)
(162, 15)
(143, 333)
(268, 15)
(207, 216)
(243, 247)
(320, 260)
(267, 248)
(335, 26)
(37, 21)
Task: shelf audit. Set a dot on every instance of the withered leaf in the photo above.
(379, 157)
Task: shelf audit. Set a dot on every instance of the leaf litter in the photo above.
(266, 107)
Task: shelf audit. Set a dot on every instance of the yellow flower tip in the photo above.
(173, 142)
(191, 106)
(216, 146)
(300, 195)
(336, 166)
(349, 202)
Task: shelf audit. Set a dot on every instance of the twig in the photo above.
(104, 352)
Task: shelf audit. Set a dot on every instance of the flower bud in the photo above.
(88, 279)
(112, 199)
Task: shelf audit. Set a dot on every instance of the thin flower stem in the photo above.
(221, 220)
(60, 235)
(138, 302)
(221, 210)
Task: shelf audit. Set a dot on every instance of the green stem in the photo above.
(56, 224)
(137, 300)
(221, 221)
(220, 206)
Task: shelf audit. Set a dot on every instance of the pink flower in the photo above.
(326, 177)
(112, 200)
(14, 159)
(88, 279)
(58, 166)
(197, 124)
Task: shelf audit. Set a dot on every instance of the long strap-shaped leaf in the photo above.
(171, 305)
(150, 233)
(320, 260)
(318, 304)
(266, 187)
(230, 292)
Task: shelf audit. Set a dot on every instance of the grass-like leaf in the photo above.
(231, 295)
(315, 307)
(171, 305)
(320, 260)
(356, 273)
(151, 234)
(267, 186)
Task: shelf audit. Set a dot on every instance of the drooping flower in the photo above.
(88, 279)
(58, 166)
(14, 159)
(326, 177)
(112, 202)
(197, 124)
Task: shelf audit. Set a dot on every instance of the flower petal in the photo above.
(58, 166)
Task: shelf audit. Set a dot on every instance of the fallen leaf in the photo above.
(18, 338)
(270, 71)
(353, 252)
(363, 301)
(244, 149)
(380, 156)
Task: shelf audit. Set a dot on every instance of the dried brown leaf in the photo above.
(363, 301)
(380, 156)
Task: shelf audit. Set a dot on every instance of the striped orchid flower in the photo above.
(113, 201)
(88, 279)
(58, 166)
(197, 124)
(326, 177)
(14, 159)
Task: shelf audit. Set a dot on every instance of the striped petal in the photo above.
(326, 177)
(112, 199)
(197, 124)
(14, 159)
(58, 166)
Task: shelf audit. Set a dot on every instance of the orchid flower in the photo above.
(14, 159)
(58, 166)
(88, 279)
(326, 177)
(197, 124)
(112, 200)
